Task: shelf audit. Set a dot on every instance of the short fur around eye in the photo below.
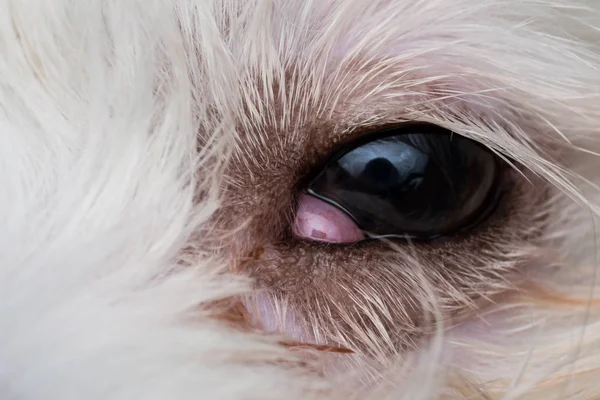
(339, 292)
(152, 154)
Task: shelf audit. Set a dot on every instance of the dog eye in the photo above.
(418, 181)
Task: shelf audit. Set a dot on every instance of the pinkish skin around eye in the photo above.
(321, 222)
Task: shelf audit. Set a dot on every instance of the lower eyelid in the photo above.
(516, 189)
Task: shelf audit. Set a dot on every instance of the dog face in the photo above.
(386, 298)
(287, 197)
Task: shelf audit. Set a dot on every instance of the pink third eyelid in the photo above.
(318, 221)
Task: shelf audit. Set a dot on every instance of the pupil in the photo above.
(381, 173)
(419, 181)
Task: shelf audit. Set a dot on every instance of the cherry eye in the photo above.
(418, 181)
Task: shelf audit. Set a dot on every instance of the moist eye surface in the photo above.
(418, 181)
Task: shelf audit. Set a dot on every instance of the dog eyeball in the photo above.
(417, 181)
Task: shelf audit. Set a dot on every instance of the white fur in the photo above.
(100, 106)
